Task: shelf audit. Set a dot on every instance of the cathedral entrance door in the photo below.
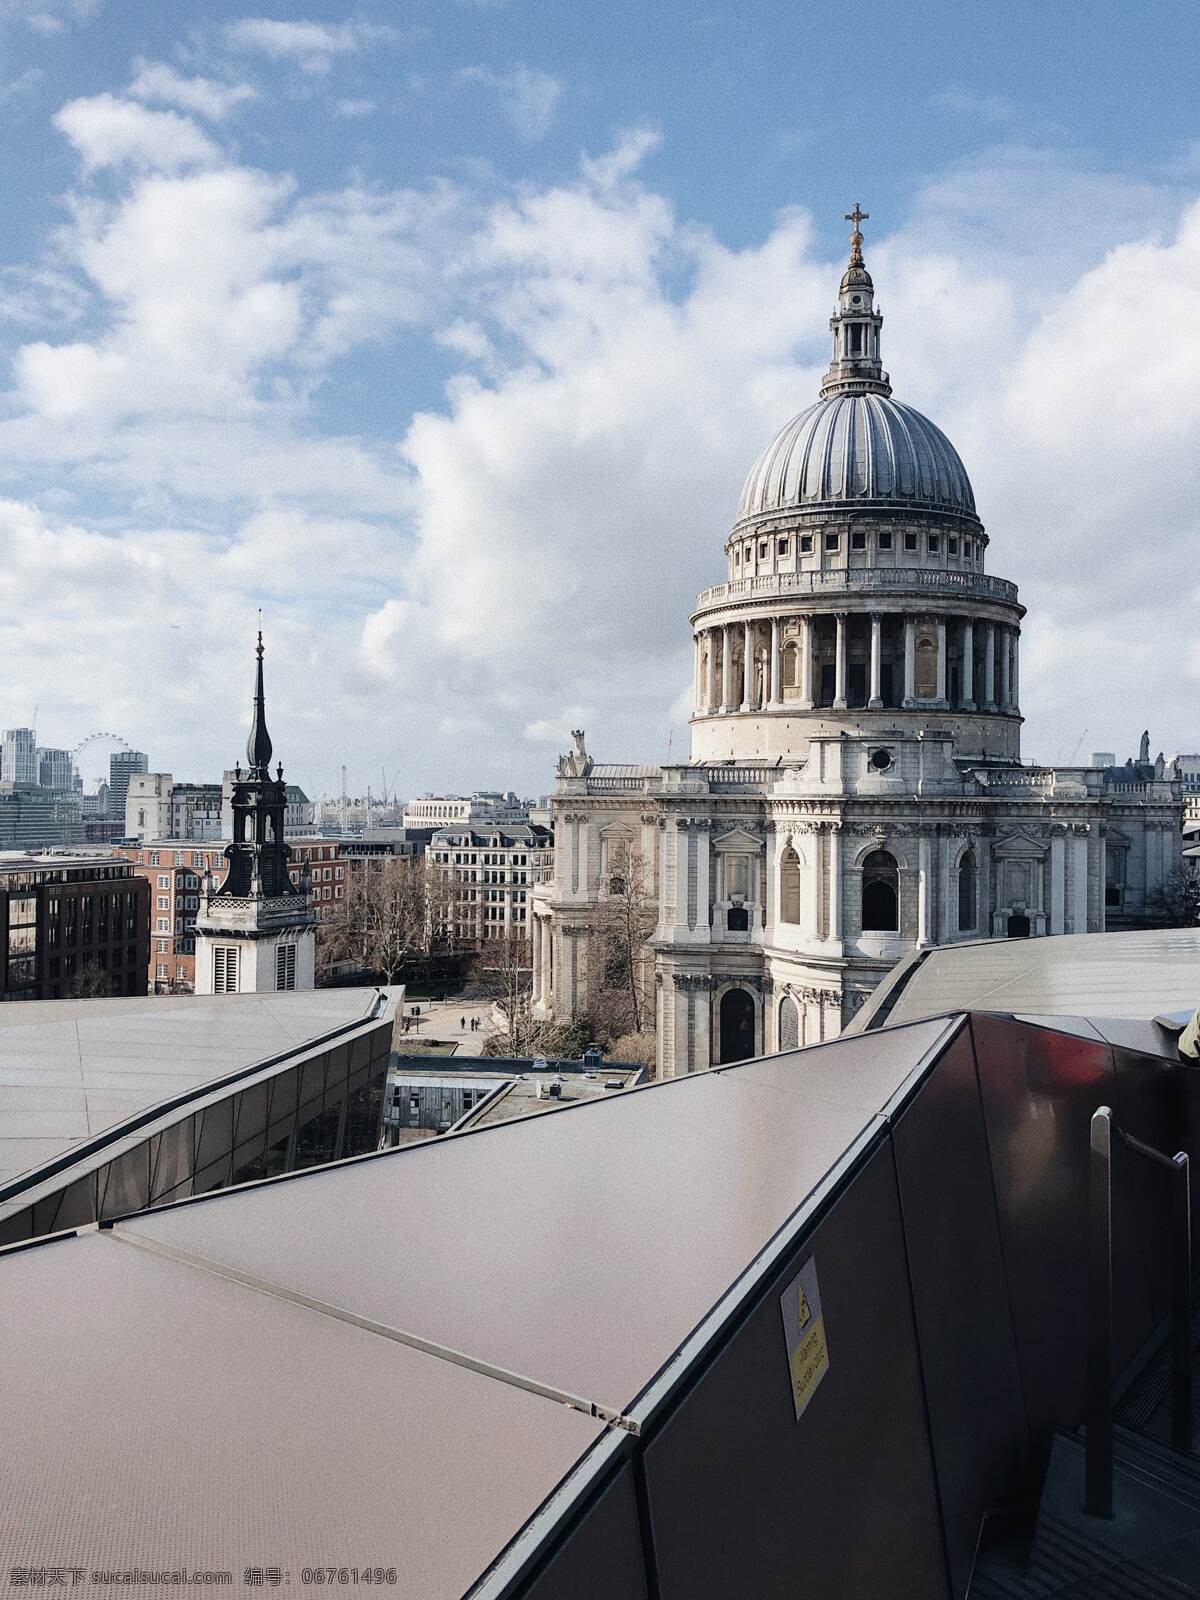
(1018, 926)
(737, 1026)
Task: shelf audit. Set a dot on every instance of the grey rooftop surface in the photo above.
(1105, 977)
(404, 1354)
(71, 1069)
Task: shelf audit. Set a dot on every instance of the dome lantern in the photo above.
(855, 325)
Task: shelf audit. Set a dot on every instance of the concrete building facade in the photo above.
(855, 789)
(494, 871)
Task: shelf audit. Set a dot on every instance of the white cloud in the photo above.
(528, 98)
(355, 108)
(312, 45)
(522, 558)
(20, 87)
(622, 161)
(52, 17)
(109, 132)
(160, 83)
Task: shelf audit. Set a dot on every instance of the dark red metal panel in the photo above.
(964, 1323)
(746, 1500)
(1039, 1091)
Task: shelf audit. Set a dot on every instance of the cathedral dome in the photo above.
(858, 448)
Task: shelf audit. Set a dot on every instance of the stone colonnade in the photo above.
(760, 679)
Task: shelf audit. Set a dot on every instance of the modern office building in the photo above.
(474, 810)
(111, 1104)
(56, 770)
(39, 819)
(18, 757)
(71, 925)
(122, 765)
(431, 1095)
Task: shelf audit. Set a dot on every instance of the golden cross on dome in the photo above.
(857, 216)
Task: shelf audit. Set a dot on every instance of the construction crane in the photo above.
(1075, 752)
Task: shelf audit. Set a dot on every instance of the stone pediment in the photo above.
(737, 839)
(1019, 845)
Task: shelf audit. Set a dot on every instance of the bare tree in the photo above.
(620, 962)
(394, 911)
(1176, 904)
(503, 971)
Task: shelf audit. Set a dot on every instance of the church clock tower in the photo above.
(256, 933)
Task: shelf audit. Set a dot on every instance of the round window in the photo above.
(856, 299)
(881, 760)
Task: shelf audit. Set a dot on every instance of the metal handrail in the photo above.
(1098, 1464)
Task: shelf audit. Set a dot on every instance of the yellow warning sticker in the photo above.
(804, 1329)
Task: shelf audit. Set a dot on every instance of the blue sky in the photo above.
(446, 333)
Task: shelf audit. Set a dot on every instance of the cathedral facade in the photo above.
(856, 787)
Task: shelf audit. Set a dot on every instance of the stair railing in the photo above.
(1098, 1468)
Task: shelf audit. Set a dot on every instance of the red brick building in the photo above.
(174, 869)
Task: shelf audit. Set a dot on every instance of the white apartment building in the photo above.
(495, 869)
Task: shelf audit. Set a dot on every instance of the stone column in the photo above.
(773, 693)
(697, 689)
(703, 922)
(924, 874)
(945, 845)
(968, 678)
(726, 668)
(810, 887)
(682, 835)
(989, 667)
(910, 662)
(710, 699)
(806, 672)
(1079, 886)
(839, 671)
(1016, 662)
(835, 883)
(1058, 883)
(875, 701)
(747, 667)
(941, 661)
(1005, 684)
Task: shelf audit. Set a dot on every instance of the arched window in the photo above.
(880, 893)
(789, 1024)
(737, 1026)
(791, 665)
(968, 878)
(789, 886)
(926, 668)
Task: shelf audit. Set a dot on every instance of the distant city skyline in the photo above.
(449, 339)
